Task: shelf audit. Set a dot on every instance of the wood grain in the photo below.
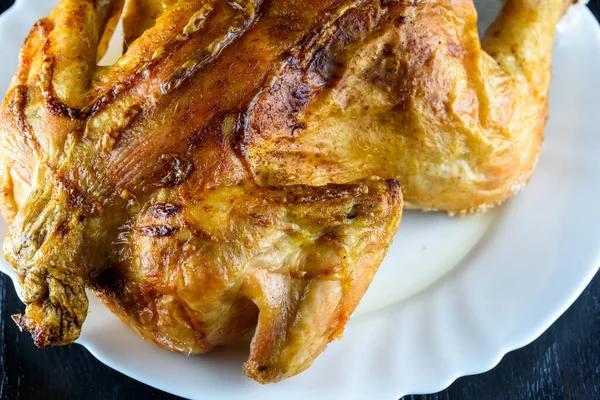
(564, 363)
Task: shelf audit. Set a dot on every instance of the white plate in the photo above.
(453, 296)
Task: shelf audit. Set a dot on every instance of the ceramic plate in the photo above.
(453, 295)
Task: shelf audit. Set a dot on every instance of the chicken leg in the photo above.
(415, 97)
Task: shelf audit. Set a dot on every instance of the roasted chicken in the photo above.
(238, 166)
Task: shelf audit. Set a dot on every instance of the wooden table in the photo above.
(563, 363)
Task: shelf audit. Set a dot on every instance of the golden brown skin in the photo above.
(174, 182)
(199, 270)
(415, 97)
(124, 180)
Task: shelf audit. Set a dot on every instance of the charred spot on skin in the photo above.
(317, 195)
(159, 230)
(327, 67)
(59, 109)
(400, 20)
(197, 140)
(178, 170)
(388, 50)
(63, 228)
(353, 213)
(297, 127)
(394, 185)
(287, 55)
(300, 95)
(164, 210)
(39, 335)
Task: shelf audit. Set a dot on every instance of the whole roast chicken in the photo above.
(237, 168)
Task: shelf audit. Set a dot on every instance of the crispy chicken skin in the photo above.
(221, 175)
(200, 269)
(130, 182)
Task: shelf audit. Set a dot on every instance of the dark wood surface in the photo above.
(564, 363)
